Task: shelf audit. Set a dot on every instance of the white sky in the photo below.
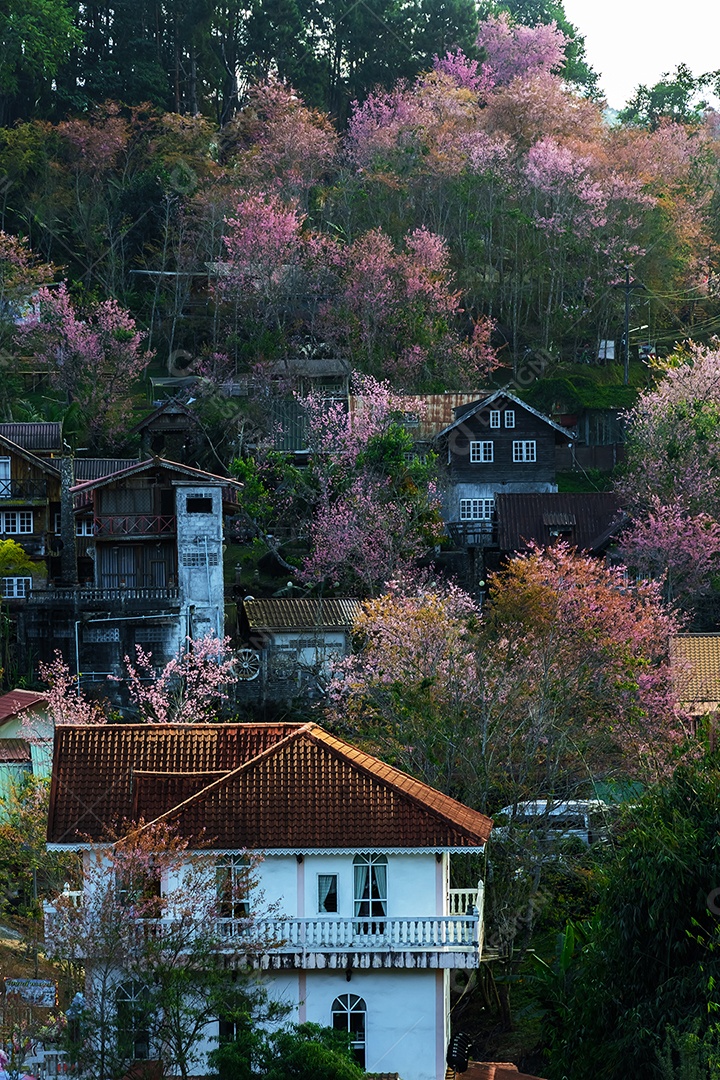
(629, 42)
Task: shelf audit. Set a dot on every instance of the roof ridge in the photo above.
(223, 777)
(330, 740)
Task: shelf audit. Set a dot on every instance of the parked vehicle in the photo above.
(586, 819)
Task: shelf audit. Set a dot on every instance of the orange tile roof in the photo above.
(266, 786)
(696, 670)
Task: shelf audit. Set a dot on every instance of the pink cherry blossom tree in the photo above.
(679, 549)
(188, 689)
(93, 355)
(410, 688)
(397, 312)
(67, 704)
(513, 50)
(674, 437)
(374, 512)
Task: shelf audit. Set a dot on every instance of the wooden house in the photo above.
(498, 444)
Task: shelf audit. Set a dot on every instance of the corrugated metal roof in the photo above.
(17, 701)
(695, 660)
(301, 614)
(14, 750)
(95, 468)
(584, 519)
(281, 786)
(435, 413)
(35, 436)
(135, 467)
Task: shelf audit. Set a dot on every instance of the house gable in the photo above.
(302, 789)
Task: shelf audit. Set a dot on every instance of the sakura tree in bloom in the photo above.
(374, 512)
(410, 688)
(67, 704)
(188, 689)
(465, 72)
(674, 437)
(679, 549)
(513, 50)
(577, 657)
(396, 311)
(94, 356)
(281, 140)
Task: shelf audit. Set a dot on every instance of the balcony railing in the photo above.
(472, 533)
(23, 490)
(88, 595)
(134, 525)
(343, 935)
(450, 933)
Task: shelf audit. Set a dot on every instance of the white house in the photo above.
(355, 853)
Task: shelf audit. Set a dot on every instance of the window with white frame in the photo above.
(16, 521)
(327, 893)
(524, 450)
(132, 1002)
(5, 485)
(84, 527)
(477, 509)
(233, 886)
(481, 451)
(370, 881)
(349, 1013)
(494, 418)
(509, 418)
(15, 587)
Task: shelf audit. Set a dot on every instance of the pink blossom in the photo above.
(513, 50)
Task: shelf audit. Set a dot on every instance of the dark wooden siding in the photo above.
(502, 469)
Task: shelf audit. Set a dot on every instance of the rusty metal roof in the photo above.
(14, 751)
(35, 436)
(301, 613)
(584, 519)
(17, 701)
(264, 786)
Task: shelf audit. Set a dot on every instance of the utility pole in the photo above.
(629, 287)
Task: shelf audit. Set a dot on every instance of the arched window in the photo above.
(133, 1021)
(370, 881)
(348, 1014)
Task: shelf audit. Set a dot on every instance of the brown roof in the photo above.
(135, 467)
(35, 436)
(17, 701)
(494, 1070)
(300, 614)
(266, 786)
(437, 412)
(94, 468)
(696, 670)
(14, 750)
(584, 519)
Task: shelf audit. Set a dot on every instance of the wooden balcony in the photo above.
(472, 533)
(133, 525)
(23, 492)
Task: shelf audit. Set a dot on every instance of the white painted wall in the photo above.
(200, 563)
(412, 884)
(406, 1014)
